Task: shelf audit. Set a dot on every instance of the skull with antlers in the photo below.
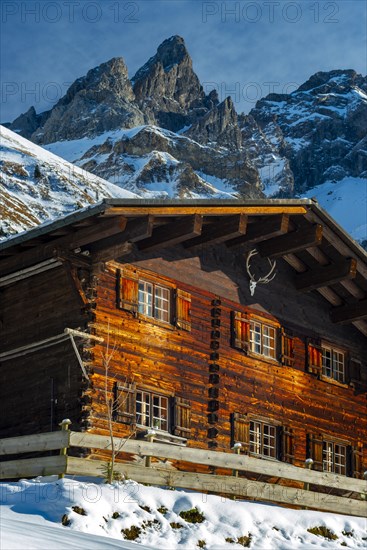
(261, 280)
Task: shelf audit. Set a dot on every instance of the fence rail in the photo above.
(351, 497)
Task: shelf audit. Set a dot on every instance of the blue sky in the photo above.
(243, 48)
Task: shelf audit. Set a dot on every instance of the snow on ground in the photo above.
(99, 516)
(346, 202)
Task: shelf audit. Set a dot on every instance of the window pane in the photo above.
(161, 303)
(255, 337)
(143, 408)
(268, 341)
(145, 298)
(327, 456)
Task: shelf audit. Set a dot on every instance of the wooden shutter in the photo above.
(240, 430)
(356, 456)
(286, 444)
(314, 357)
(314, 451)
(240, 330)
(125, 403)
(127, 291)
(286, 348)
(183, 310)
(181, 417)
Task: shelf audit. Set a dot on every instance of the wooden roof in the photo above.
(324, 257)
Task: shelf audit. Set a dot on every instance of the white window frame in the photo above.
(333, 363)
(334, 457)
(152, 410)
(154, 300)
(263, 439)
(263, 339)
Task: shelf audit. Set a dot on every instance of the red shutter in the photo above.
(127, 292)
(240, 330)
(240, 430)
(183, 310)
(287, 351)
(314, 357)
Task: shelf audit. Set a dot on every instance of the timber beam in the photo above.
(349, 312)
(173, 233)
(326, 276)
(262, 230)
(291, 242)
(220, 231)
(119, 245)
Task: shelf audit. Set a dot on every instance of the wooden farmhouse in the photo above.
(210, 323)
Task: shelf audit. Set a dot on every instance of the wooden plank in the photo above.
(221, 231)
(214, 210)
(32, 443)
(326, 275)
(31, 467)
(291, 242)
(262, 230)
(349, 312)
(119, 245)
(173, 233)
(218, 459)
(228, 485)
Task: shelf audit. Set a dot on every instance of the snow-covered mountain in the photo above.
(159, 135)
(37, 186)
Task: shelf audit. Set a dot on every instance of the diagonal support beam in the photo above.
(220, 231)
(173, 233)
(262, 230)
(326, 276)
(291, 242)
(349, 313)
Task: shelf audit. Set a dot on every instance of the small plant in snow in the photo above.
(192, 516)
(65, 520)
(175, 525)
(162, 510)
(322, 531)
(201, 543)
(79, 510)
(131, 533)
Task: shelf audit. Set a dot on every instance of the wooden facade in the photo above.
(186, 350)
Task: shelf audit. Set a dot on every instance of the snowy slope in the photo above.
(31, 515)
(346, 202)
(37, 186)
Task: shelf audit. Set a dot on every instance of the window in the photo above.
(263, 439)
(333, 363)
(334, 457)
(154, 301)
(148, 298)
(263, 339)
(152, 410)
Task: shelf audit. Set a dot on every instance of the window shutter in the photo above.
(286, 445)
(314, 357)
(181, 417)
(240, 330)
(314, 451)
(183, 310)
(240, 430)
(287, 351)
(127, 292)
(356, 461)
(125, 403)
(354, 371)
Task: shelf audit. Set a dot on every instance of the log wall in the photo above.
(160, 357)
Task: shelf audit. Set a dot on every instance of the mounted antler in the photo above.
(262, 280)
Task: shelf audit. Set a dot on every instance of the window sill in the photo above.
(162, 437)
(153, 321)
(334, 382)
(264, 359)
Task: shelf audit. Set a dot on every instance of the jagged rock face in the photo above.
(168, 90)
(218, 126)
(102, 100)
(324, 127)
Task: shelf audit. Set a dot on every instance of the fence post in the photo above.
(237, 449)
(64, 427)
(150, 438)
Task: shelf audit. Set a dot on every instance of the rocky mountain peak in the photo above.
(332, 79)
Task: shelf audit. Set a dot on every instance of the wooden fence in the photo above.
(351, 497)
